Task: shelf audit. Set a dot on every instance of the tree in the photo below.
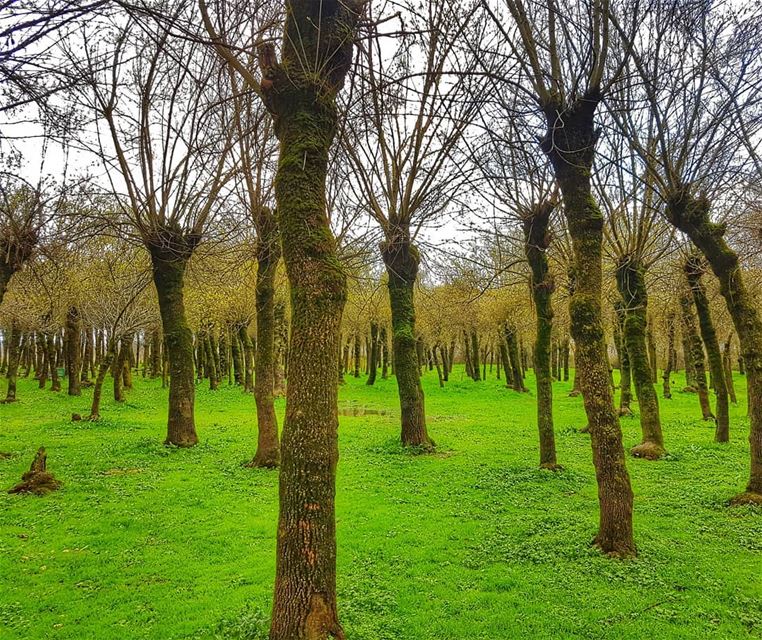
(300, 92)
(565, 70)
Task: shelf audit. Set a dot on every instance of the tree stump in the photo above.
(37, 480)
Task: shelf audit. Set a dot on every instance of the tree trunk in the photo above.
(516, 377)
(536, 242)
(671, 357)
(247, 357)
(13, 348)
(268, 255)
(691, 215)
(625, 370)
(694, 269)
(304, 606)
(570, 146)
(728, 362)
(73, 353)
(475, 364)
(695, 354)
(384, 355)
(630, 276)
(103, 368)
(55, 381)
(373, 359)
(401, 259)
(170, 253)
(434, 357)
(214, 382)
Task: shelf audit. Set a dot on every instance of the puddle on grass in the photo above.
(356, 410)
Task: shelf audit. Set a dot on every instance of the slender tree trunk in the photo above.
(247, 358)
(671, 357)
(516, 377)
(625, 369)
(214, 382)
(13, 348)
(384, 355)
(695, 354)
(103, 368)
(401, 259)
(632, 287)
(694, 269)
(55, 381)
(570, 146)
(373, 359)
(536, 242)
(475, 364)
(729, 369)
(437, 365)
(170, 253)
(280, 362)
(268, 255)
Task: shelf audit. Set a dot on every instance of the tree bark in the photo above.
(695, 354)
(632, 287)
(691, 215)
(536, 242)
(727, 358)
(268, 255)
(373, 359)
(14, 348)
(694, 269)
(305, 116)
(170, 251)
(570, 146)
(401, 259)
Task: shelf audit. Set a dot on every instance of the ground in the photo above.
(474, 542)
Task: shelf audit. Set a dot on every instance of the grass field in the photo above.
(474, 542)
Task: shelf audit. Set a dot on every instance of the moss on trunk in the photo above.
(536, 242)
(401, 259)
(570, 146)
(694, 270)
(695, 354)
(170, 251)
(630, 276)
(690, 214)
(268, 255)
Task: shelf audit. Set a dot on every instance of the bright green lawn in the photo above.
(473, 542)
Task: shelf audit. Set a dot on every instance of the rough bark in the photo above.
(671, 357)
(570, 146)
(728, 362)
(536, 242)
(268, 255)
(695, 354)
(625, 370)
(170, 251)
(694, 270)
(103, 368)
(373, 359)
(401, 259)
(630, 276)
(247, 353)
(691, 215)
(304, 110)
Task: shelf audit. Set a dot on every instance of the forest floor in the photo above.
(473, 542)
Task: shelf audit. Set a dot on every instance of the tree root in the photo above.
(37, 480)
(648, 450)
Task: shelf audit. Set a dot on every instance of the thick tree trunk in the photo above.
(694, 269)
(14, 348)
(304, 606)
(695, 354)
(632, 287)
(401, 259)
(170, 252)
(536, 242)
(570, 146)
(268, 255)
(691, 215)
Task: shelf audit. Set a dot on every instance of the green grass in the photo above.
(474, 542)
